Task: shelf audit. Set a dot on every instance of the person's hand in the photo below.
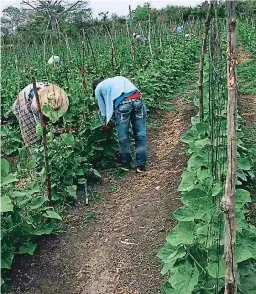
(107, 128)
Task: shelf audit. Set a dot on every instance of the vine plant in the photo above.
(193, 256)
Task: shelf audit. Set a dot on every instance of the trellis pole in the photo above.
(201, 65)
(43, 125)
(228, 200)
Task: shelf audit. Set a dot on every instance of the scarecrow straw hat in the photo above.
(53, 100)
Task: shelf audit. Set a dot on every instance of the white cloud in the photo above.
(121, 7)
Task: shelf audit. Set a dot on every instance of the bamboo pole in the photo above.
(47, 168)
(149, 35)
(228, 200)
(201, 65)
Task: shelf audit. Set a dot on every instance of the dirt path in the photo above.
(116, 253)
(247, 103)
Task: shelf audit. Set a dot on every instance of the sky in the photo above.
(120, 7)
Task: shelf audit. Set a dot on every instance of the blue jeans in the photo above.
(133, 113)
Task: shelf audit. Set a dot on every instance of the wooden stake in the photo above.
(201, 65)
(228, 200)
(47, 169)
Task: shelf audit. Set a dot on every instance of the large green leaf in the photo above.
(242, 254)
(52, 214)
(202, 127)
(11, 178)
(71, 190)
(243, 163)
(247, 240)
(202, 142)
(217, 188)
(37, 202)
(68, 139)
(248, 283)
(171, 259)
(188, 181)
(193, 195)
(196, 161)
(184, 279)
(189, 136)
(27, 248)
(189, 213)
(216, 269)
(241, 198)
(6, 259)
(4, 167)
(182, 233)
(6, 204)
(43, 231)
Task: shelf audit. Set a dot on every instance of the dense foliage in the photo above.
(157, 69)
(194, 251)
(192, 256)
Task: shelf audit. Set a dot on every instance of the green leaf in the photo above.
(202, 142)
(39, 130)
(189, 213)
(242, 254)
(184, 279)
(241, 198)
(97, 147)
(247, 240)
(168, 289)
(37, 202)
(5, 166)
(95, 125)
(189, 136)
(193, 195)
(6, 204)
(80, 172)
(52, 214)
(6, 259)
(96, 173)
(216, 270)
(8, 179)
(188, 181)
(248, 282)
(71, 190)
(182, 233)
(203, 174)
(27, 248)
(171, 259)
(43, 231)
(196, 161)
(216, 189)
(243, 163)
(31, 164)
(68, 139)
(202, 127)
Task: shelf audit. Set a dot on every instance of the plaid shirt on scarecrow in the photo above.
(27, 116)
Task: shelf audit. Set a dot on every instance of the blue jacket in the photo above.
(108, 91)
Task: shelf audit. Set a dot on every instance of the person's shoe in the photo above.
(140, 169)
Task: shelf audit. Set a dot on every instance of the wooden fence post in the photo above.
(228, 200)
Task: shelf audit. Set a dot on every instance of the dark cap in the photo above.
(95, 84)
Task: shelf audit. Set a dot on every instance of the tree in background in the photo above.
(12, 19)
(51, 12)
(140, 14)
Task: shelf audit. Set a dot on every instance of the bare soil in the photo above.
(115, 253)
(247, 107)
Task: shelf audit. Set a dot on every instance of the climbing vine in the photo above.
(193, 256)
